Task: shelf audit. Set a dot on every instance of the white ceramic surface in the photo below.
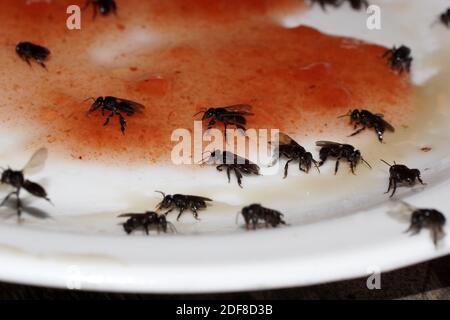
(339, 226)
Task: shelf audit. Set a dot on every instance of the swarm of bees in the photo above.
(399, 60)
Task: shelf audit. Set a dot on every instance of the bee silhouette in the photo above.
(17, 180)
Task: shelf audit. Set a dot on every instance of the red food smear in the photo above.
(184, 55)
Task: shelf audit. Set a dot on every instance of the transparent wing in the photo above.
(199, 198)
(37, 161)
(131, 215)
(400, 210)
(137, 106)
(244, 109)
(387, 124)
(324, 143)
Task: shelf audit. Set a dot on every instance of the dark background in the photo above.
(428, 281)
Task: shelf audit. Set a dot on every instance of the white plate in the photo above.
(339, 226)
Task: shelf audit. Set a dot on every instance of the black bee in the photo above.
(338, 150)
(399, 173)
(28, 50)
(104, 6)
(231, 115)
(367, 119)
(182, 202)
(425, 218)
(231, 161)
(16, 179)
(291, 150)
(399, 58)
(116, 106)
(146, 221)
(255, 213)
(355, 4)
(444, 18)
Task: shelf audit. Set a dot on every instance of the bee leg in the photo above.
(219, 167)
(390, 185)
(114, 8)
(254, 222)
(238, 176)
(394, 183)
(180, 213)
(357, 131)
(94, 11)
(146, 228)
(228, 174)
(108, 117)
(336, 168)
(194, 212)
(19, 205)
(41, 63)
(211, 124)
(421, 181)
(167, 212)
(7, 198)
(304, 166)
(286, 168)
(123, 123)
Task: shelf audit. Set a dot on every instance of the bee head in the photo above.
(166, 201)
(96, 104)
(209, 113)
(355, 114)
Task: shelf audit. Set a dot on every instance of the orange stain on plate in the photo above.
(177, 57)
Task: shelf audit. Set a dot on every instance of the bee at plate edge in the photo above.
(182, 202)
(233, 163)
(399, 173)
(339, 150)
(17, 180)
(146, 221)
(256, 213)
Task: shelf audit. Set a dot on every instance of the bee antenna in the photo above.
(163, 194)
(202, 110)
(90, 98)
(386, 162)
(203, 159)
(366, 163)
(348, 114)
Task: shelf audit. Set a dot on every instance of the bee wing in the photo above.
(400, 210)
(324, 143)
(239, 109)
(37, 161)
(130, 215)
(386, 124)
(137, 106)
(200, 198)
